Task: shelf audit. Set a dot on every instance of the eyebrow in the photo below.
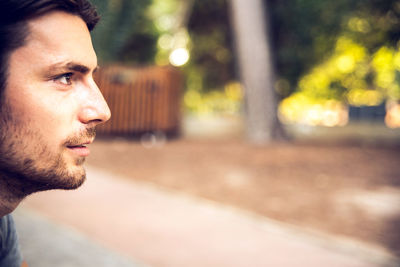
(72, 66)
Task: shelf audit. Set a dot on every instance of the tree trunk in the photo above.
(253, 49)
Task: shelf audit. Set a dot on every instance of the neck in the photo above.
(7, 207)
(10, 194)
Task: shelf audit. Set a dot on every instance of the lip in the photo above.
(80, 149)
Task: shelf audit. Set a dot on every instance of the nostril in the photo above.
(97, 120)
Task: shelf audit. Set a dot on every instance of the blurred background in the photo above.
(285, 113)
(309, 63)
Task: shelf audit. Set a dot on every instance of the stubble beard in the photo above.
(23, 150)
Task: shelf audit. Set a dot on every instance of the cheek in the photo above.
(56, 115)
(49, 115)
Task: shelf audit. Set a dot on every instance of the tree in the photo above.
(256, 68)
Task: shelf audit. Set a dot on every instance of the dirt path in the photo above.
(351, 191)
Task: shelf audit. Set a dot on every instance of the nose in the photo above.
(94, 110)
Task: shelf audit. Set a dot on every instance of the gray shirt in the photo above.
(10, 255)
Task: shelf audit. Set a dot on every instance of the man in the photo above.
(49, 103)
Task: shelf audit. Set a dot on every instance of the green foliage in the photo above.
(125, 33)
(363, 68)
(306, 33)
(226, 102)
(324, 50)
(211, 53)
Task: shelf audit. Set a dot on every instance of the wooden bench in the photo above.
(140, 99)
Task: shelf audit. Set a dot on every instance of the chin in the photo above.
(74, 180)
(73, 184)
(69, 179)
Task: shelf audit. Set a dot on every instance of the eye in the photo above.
(65, 79)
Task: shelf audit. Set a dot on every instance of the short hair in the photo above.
(14, 17)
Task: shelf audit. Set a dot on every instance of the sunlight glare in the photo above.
(179, 57)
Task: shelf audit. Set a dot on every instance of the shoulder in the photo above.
(9, 248)
(6, 227)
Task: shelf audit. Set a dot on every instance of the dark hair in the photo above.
(14, 17)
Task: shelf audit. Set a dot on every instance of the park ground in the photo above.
(346, 188)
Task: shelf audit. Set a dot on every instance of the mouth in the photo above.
(76, 146)
(80, 149)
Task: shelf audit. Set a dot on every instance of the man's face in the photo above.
(50, 106)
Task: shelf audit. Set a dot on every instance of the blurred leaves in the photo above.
(226, 102)
(306, 31)
(212, 56)
(125, 32)
(342, 51)
(358, 66)
(356, 63)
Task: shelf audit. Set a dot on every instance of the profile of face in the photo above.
(50, 106)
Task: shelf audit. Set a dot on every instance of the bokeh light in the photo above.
(179, 57)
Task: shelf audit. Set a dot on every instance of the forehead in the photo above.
(58, 37)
